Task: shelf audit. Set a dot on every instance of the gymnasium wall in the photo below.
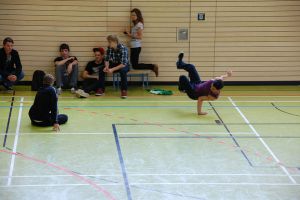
(258, 39)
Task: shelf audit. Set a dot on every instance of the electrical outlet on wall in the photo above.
(182, 34)
(201, 16)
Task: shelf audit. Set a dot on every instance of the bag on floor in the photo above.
(37, 80)
(161, 92)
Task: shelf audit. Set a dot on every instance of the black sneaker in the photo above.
(179, 62)
(181, 89)
(8, 88)
(180, 56)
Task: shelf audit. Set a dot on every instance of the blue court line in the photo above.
(9, 117)
(124, 173)
(232, 137)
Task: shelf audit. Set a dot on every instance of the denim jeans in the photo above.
(63, 79)
(123, 75)
(8, 83)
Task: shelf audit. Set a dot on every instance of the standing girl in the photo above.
(136, 36)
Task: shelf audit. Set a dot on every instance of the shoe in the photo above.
(180, 56)
(58, 91)
(124, 94)
(179, 62)
(81, 94)
(155, 69)
(7, 87)
(181, 89)
(99, 92)
(73, 90)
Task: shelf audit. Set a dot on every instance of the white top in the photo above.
(134, 43)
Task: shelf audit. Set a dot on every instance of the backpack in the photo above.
(37, 80)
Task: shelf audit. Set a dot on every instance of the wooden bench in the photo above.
(144, 74)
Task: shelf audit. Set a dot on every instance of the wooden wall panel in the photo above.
(258, 39)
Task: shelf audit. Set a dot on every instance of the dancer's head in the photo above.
(218, 84)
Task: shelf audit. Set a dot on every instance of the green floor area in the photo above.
(151, 147)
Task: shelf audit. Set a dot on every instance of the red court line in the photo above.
(67, 171)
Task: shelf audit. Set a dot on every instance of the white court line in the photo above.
(154, 97)
(210, 183)
(13, 157)
(183, 133)
(175, 101)
(175, 183)
(263, 142)
(260, 96)
(132, 175)
(263, 175)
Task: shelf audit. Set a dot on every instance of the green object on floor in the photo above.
(161, 92)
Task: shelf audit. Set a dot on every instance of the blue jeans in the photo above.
(63, 79)
(123, 75)
(9, 83)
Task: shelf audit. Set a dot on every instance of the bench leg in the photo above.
(147, 80)
(113, 80)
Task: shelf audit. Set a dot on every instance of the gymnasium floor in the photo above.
(155, 147)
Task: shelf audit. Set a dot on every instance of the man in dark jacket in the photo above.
(10, 64)
(44, 110)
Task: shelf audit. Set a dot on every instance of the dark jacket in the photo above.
(14, 67)
(44, 107)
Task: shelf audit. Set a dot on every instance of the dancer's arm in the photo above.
(200, 102)
(199, 106)
(223, 77)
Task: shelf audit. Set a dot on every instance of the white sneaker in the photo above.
(58, 91)
(81, 94)
(73, 90)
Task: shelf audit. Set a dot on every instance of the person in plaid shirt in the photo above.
(116, 61)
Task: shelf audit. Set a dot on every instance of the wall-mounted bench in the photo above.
(143, 74)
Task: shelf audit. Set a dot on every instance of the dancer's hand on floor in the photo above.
(202, 113)
(56, 127)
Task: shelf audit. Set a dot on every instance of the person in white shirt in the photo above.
(136, 36)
